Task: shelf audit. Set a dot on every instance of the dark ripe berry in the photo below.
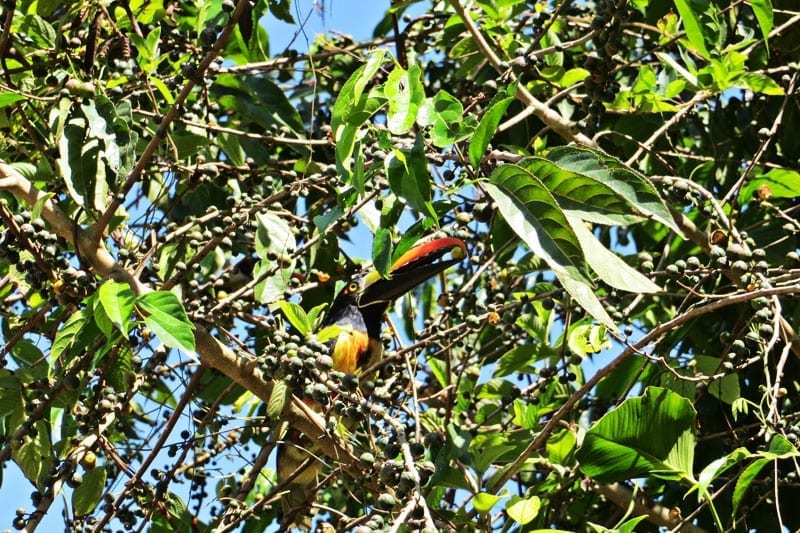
(740, 267)
(738, 346)
(433, 439)
(417, 450)
(208, 37)
(72, 382)
(388, 473)
(391, 450)
(349, 382)
(228, 6)
(406, 482)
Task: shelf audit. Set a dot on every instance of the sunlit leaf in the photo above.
(405, 94)
(486, 130)
(87, 495)
(652, 434)
(692, 26)
(168, 320)
(117, 300)
(534, 215)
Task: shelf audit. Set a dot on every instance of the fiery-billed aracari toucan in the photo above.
(359, 308)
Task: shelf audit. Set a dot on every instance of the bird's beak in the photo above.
(421, 262)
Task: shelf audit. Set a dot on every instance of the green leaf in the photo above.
(758, 83)
(444, 115)
(533, 214)
(439, 371)
(405, 94)
(719, 466)
(777, 183)
(65, 337)
(745, 479)
(781, 448)
(652, 434)
(33, 455)
(764, 16)
(315, 314)
(516, 359)
(407, 171)
(118, 300)
(11, 401)
(272, 99)
(523, 510)
(8, 98)
(486, 129)
(608, 265)
(328, 333)
(296, 316)
(588, 339)
(349, 111)
(725, 389)
(382, 251)
(598, 184)
(168, 320)
(121, 373)
(692, 26)
(561, 447)
(87, 495)
(483, 501)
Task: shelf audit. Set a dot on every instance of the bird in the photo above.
(359, 311)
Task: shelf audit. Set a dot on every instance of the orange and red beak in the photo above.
(418, 264)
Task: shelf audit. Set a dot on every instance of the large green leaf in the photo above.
(777, 183)
(167, 319)
(348, 113)
(608, 265)
(8, 98)
(779, 448)
(652, 434)
(382, 251)
(592, 184)
(537, 219)
(296, 316)
(33, 455)
(273, 100)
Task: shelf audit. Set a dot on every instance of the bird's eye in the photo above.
(352, 287)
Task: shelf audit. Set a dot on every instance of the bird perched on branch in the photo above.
(359, 310)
